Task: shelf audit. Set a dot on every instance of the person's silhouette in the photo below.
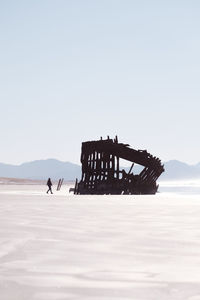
(49, 184)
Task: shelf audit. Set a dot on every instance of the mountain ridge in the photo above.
(41, 169)
(54, 168)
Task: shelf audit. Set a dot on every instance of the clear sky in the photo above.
(75, 70)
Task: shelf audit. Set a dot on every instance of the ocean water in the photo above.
(187, 187)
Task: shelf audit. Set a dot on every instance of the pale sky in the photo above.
(75, 70)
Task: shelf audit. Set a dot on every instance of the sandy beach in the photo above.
(63, 246)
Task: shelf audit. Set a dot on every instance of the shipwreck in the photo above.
(101, 173)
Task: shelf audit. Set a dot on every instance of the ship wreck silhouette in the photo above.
(101, 172)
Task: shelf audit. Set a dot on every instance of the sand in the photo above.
(62, 246)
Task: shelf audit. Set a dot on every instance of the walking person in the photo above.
(49, 184)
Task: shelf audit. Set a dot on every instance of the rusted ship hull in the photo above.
(101, 172)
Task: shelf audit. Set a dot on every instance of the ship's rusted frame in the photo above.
(101, 173)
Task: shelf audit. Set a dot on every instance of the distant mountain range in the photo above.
(42, 169)
(177, 170)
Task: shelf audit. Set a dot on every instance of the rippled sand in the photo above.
(63, 246)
